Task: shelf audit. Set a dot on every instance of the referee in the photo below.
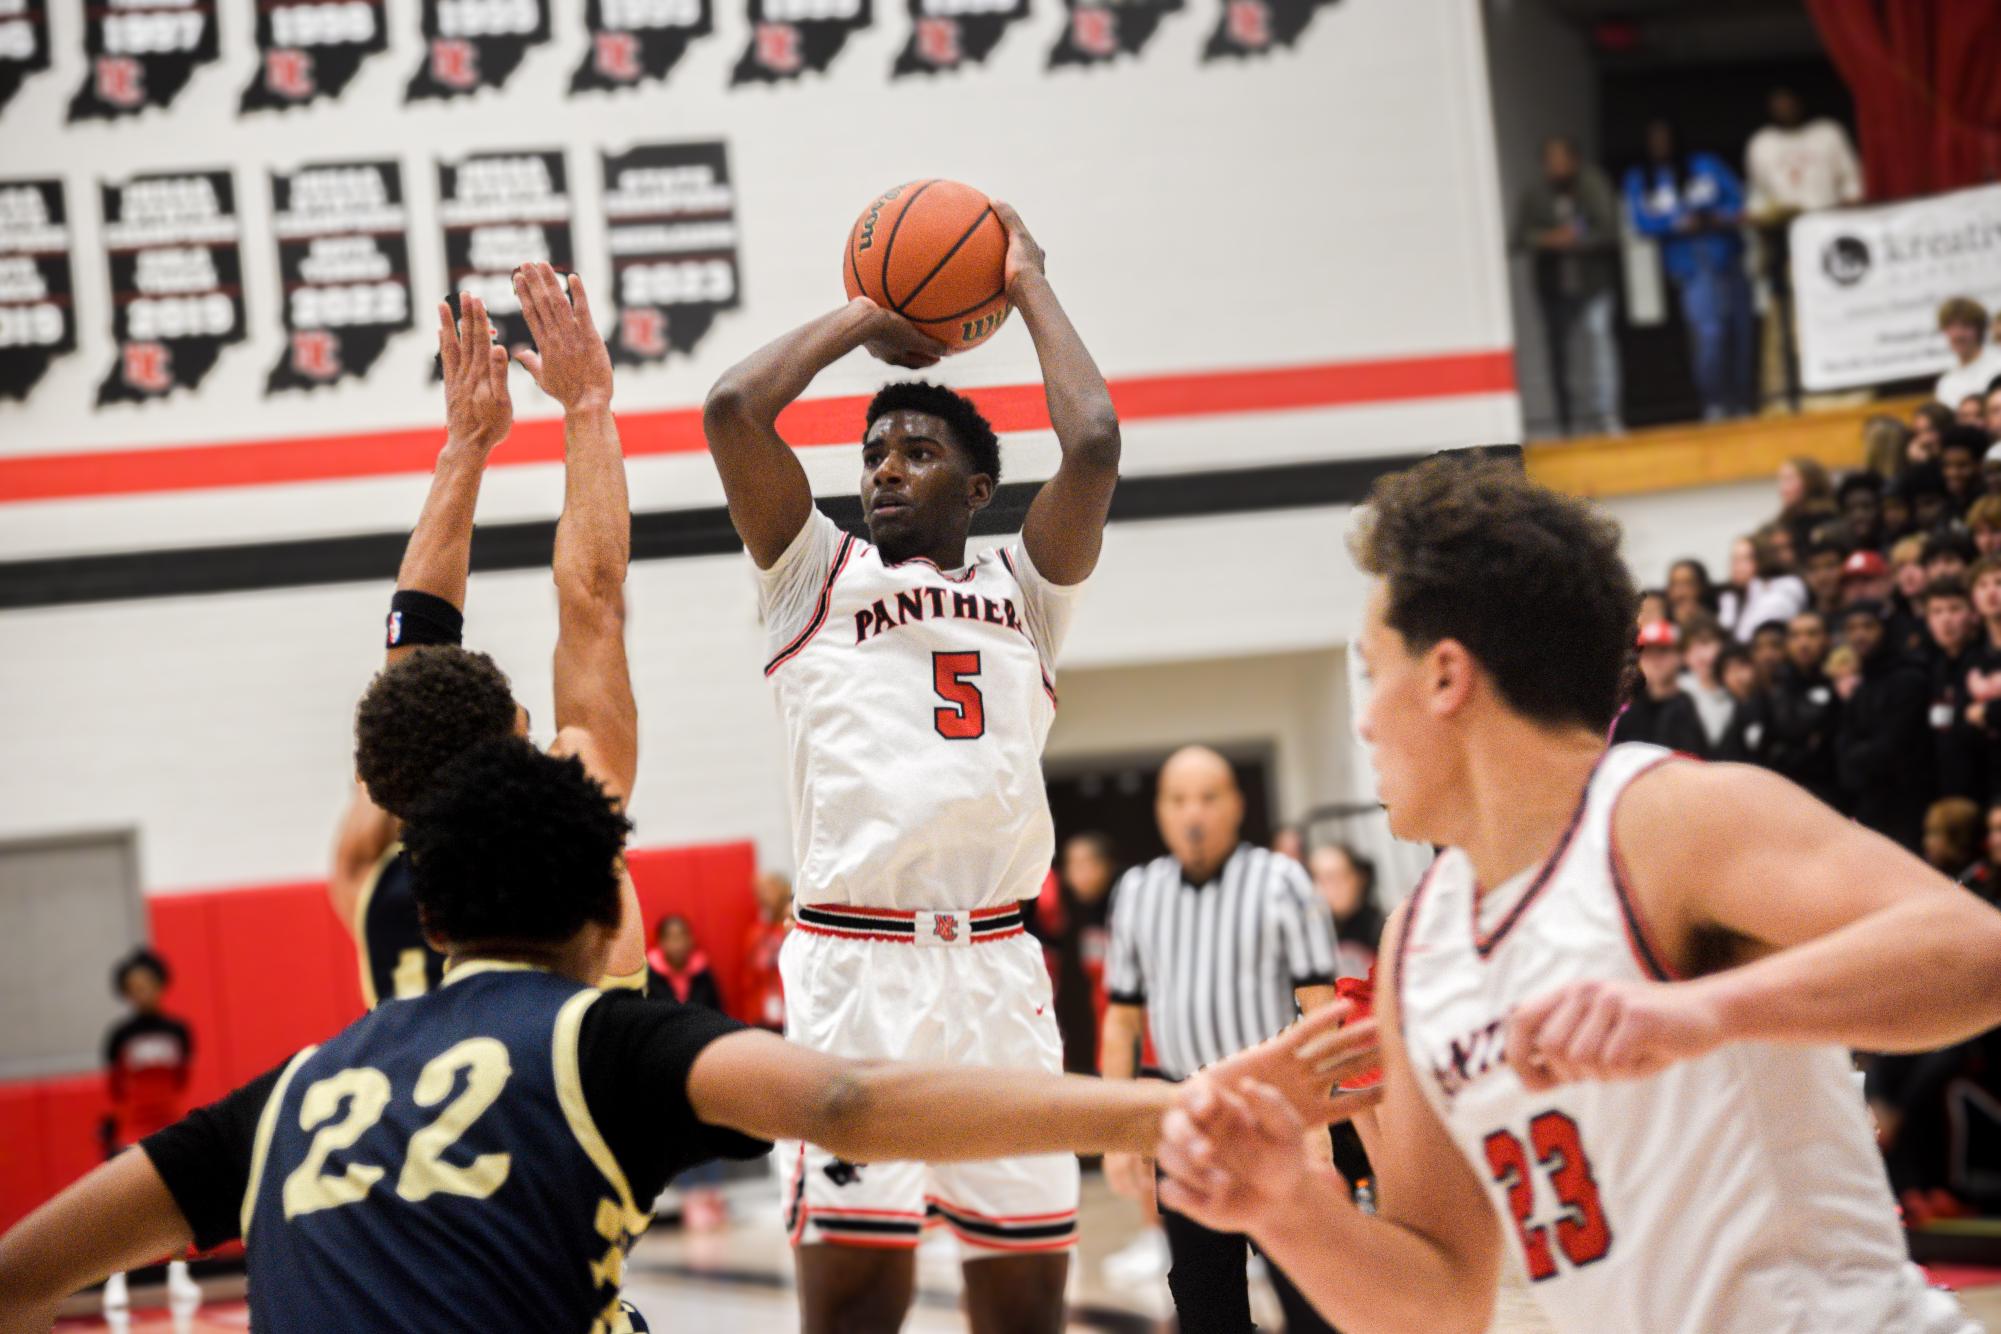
(1211, 947)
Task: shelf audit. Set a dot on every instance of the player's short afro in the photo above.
(969, 429)
(512, 845)
(421, 714)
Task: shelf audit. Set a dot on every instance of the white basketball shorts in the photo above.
(961, 988)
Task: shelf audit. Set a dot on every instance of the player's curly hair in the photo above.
(969, 428)
(1529, 581)
(511, 844)
(422, 713)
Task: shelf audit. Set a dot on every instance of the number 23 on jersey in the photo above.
(1582, 1232)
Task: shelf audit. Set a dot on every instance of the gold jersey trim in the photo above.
(570, 1093)
(267, 1125)
(359, 927)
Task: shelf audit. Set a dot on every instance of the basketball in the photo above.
(934, 252)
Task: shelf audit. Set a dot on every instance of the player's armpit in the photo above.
(762, 1085)
(1862, 944)
(366, 831)
(119, 1217)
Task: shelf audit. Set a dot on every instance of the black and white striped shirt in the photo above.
(1215, 965)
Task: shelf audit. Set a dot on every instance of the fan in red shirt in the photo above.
(146, 1055)
(762, 994)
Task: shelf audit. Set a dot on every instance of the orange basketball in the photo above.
(933, 252)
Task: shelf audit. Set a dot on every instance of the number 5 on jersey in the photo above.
(951, 677)
(1582, 1233)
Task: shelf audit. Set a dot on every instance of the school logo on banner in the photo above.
(500, 210)
(1099, 31)
(1254, 27)
(344, 258)
(945, 34)
(37, 310)
(475, 44)
(176, 281)
(790, 37)
(637, 41)
(24, 44)
(309, 49)
(141, 54)
(671, 216)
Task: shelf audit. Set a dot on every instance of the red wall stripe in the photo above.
(809, 422)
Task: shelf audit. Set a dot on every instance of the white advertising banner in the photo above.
(1868, 283)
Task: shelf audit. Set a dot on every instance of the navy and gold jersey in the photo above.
(396, 961)
(436, 1167)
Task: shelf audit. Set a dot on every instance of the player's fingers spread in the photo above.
(478, 327)
(496, 363)
(580, 300)
(532, 361)
(448, 344)
(1346, 1106)
(531, 309)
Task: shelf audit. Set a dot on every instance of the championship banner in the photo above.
(790, 37)
(638, 41)
(344, 259)
(176, 281)
(500, 210)
(475, 44)
(671, 216)
(24, 44)
(946, 34)
(1098, 31)
(141, 54)
(37, 310)
(309, 49)
(1254, 27)
(1868, 282)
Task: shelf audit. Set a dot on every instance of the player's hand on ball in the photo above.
(570, 362)
(1304, 1063)
(478, 408)
(1229, 1155)
(897, 341)
(1024, 255)
(1610, 1030)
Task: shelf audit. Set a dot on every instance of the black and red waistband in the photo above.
(923, 927)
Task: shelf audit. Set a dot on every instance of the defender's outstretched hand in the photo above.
(1024, 256)
(570, 364)
(1304, 1063)
(897, 341)
(1230, 1155)
(1610, 1030)
(478, 409)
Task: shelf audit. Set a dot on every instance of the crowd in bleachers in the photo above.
(1853, 644)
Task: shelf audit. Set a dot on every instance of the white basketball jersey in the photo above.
(915, 702)
(1741, 1193)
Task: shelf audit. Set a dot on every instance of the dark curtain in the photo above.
(1926, 77)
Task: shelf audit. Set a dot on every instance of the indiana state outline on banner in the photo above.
(475, 44)
(37, 294)
(175, 253)
(24, 45)
(310, 49)
(790, 37)
(949, 34)
(638, 41)
(1256, 27)
(1099, 31)
(141, 55)
(344, 266)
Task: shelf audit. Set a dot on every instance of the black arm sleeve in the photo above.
(634, 1057)
(204, 1159)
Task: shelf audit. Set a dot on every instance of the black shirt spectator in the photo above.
(1659, 711)
(676, 970)
(1961, 450)
(1073, 925)
(1860, 497)
(1952, 649)
(1883, 752)
(1802, 717)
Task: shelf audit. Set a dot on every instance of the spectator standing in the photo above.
(1792, 165)
(762, 988)
(1568, 224)
(1721, 718)
(1346, 882)
(1693, 205)
(147, 1056)
(1768, 653)
(1883, 752)
(1802, 718)
(1659, 712)
(1076, 931)
(1212, 945)
(1954, 648)
(679, 968)
(1825, 562)
(1976, 360)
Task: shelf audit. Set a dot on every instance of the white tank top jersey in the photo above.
(1741, 1193)
(915, 702)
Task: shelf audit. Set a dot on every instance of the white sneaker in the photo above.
(1144, 1259)
(183, 1293)
(115, 1296)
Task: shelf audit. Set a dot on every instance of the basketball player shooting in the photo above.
(1617, 1011)
(433, 698)
(917, 688)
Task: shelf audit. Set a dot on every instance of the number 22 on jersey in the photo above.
(366, 1093)
(1582, 1233)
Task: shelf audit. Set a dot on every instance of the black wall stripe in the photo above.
(656, 535)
